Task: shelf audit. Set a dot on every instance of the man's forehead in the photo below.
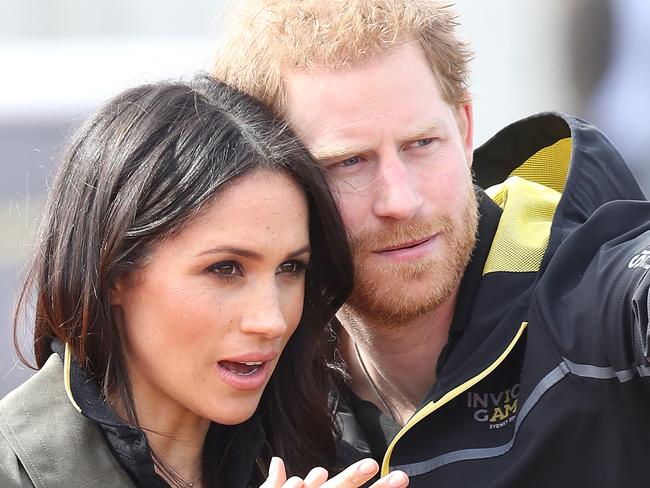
(326, 126)
(339, 111)
(299, 82)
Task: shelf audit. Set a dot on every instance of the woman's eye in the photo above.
(226, 269)
(292, 267)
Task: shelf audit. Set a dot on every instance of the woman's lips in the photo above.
(252, 379)
(245, 369)
(246, 372)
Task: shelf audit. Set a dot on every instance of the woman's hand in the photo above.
(352, 477)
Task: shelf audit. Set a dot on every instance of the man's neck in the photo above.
(394, 365)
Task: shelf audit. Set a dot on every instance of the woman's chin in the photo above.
(231, 411)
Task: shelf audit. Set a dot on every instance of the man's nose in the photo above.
(396, 194)
(263, 314)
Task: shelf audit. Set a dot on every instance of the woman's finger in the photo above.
(294, 482)
(277, 474)
(396, 479)
(354, 476)
(316, 477)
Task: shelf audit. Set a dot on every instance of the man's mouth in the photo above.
(406, 245)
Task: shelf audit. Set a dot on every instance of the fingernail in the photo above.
(397, 479)
(368, 467)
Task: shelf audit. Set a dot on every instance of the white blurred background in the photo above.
(61, 58)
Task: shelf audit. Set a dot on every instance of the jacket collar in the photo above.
(566, 154)
(56, 446)
(489, 213)
(129, 444)
(353, 445)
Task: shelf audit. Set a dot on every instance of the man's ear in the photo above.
(465, 116)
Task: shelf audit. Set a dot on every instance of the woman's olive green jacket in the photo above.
(46, 443)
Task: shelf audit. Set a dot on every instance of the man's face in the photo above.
(399, 167)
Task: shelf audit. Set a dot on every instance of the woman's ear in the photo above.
(115, 301)
(116, 292)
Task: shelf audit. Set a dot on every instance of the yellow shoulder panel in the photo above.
(548, 166)
(528, 199)
(524, 227)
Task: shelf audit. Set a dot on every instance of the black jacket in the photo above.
(545, 378)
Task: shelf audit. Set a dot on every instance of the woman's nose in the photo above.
(264, 314)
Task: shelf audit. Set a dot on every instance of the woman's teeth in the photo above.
(244, 368)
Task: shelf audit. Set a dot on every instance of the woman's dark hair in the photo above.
(139, 169)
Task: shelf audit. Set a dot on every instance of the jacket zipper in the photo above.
(431, 407)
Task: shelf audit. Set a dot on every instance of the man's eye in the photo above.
(349, 161)
(226, 269)
(419, 143)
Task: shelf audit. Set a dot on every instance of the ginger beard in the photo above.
(392, 293)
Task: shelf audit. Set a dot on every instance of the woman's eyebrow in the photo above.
(239, 251)
(303, 250)
(248, 253)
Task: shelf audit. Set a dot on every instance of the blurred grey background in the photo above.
(61, 58)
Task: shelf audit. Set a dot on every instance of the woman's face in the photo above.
(206, 318)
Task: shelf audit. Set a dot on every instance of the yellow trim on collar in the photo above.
(431, 407)
(67, 362)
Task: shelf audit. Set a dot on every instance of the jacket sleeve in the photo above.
(593, 296)
(640, 312)
(12, 473)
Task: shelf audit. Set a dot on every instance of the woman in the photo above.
(188, 240)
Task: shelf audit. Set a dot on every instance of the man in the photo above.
(493, 338)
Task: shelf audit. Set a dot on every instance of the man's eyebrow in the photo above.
(333, 152)
(424, 130)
